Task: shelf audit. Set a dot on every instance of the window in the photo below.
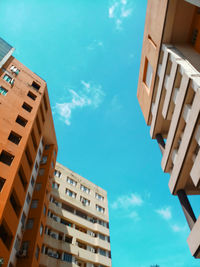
(57, 173)
(68, 208)
(84, 201)
(29, 224)
(6, 157)
(28, 157)
(38, 186)
(102, 252)
(36, 166)
(67, 257)
(45, 103)
(8, 79)
(14, 137)
(23, 219)
(28, 198)
(148, 73)
(85, 189)
(47, 147)
(44, 160)
(99, 197)
(14, 69)
(15, 203)
(41, 171)
(35, 86)
(38, 125)
(194, 36)
(27, 107)
(70, 193)
(22, 177)
(5, 234)
(52, 164)
(44, 210)
(2, 182)
(25, 245)
(34, 204)
(100, 209)
(65, 222)
(34, 140)
(3, 91)
(41, 229)
(32, 181)
(17, 243)
(71, 181)
(37, 252)
(31, 95)
(102, 237)
(21, 121)
(55, 185)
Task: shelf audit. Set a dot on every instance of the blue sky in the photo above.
(89, 52)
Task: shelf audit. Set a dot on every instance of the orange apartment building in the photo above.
(169, 96)
(28, 150)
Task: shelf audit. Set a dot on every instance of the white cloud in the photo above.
(165, 213)
(127, 201)
(118, 11)
(94, 44)
(89, 95)
(177, 228)
(134, 215)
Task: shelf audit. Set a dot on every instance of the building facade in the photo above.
(169, 96)
(77, 226)
(28, 150)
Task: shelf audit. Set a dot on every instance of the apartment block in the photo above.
(28, 150)
(169, 96)
(77, 225)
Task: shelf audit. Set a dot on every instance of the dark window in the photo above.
(68, 208)
(81, 214)
(42, 113)
(27, 107)
(47, 147)
(67, 257)
(28, 198)
(2, 182)
(32, 181)
(14, 137)
(65, 222)
(5, 235)
(194, 36)
(44, 210)
(21, 121)
(23, 219)
(6, 157)
(3, 91)
(38, 125)
(68, 239)
(22, 177)
(15, 203)
(45, 103)
(31, 95)
(37, 252)
(35, 86)
(28, 156)
(34, 139)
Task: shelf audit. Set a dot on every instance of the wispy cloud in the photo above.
(177, 228)
(134, 216)
(95, 44)
(90, 94)
(127, 201)
(165, 213)
(118, 11)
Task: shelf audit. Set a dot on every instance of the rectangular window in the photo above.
(32, 181)
(38, 186)
(99, 197)
(102, 237)
(14, 69)
(102, 252)
(8, 79)
(17, 243)
(3, 91)
(36, 166)
(44, 210)
(45, 103)
(6, 157)
(38, 125)
(71, 181)
(15, 203)
(35, 86)
(28, 198)
(34, 139)
(29, 224)
(22, 177)
(41, 171)
(21, 121)
(2, 182)
(55, 185)
(85, 189)
(27, 107)
(148, 73)
(100, 209)
(57, 173)
(34, 204)
(85, 201)
(68, 208)
(5, 234)
(31, 95)
(44, 160)
(70, 193)
(14, 137)
(28, 157)
(67, 257)
(23, 219)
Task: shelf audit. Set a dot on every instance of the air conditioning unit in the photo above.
(21, 253)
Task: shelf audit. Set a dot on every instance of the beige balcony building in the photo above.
(77, 227)
(169, 96)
